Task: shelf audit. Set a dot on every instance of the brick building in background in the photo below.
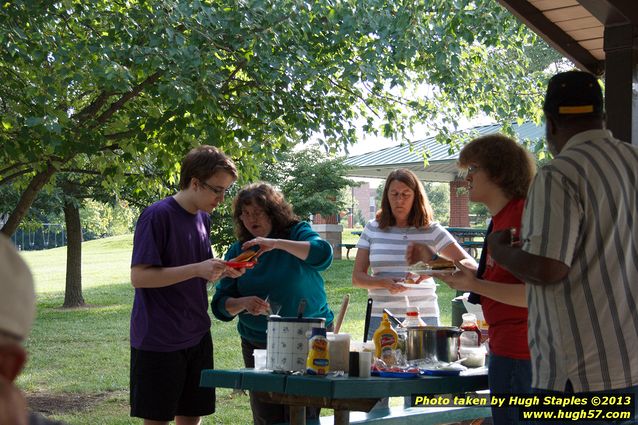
(459, 204)
(364, 198)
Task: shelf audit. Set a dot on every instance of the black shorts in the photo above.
(165, 385)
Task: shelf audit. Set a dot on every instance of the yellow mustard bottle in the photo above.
(385, 341)
(318, 362)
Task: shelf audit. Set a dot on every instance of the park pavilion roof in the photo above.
(441, 159)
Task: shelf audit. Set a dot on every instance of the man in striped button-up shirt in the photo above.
(580, 249)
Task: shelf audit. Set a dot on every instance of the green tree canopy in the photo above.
(310, 180)
(124, 89)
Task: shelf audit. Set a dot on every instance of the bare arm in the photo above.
(465, 280)
(299, 249)
(254, 305)
(456, 253)
(421, 252)
(361, 278)
(530, 268)
(147, 276)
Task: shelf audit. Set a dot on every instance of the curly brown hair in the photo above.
(272, 202)
(202, 162)
(421, 214)
(507, 163)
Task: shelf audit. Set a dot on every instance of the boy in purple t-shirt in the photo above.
(172, 262)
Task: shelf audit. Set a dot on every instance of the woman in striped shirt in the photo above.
(405, 216)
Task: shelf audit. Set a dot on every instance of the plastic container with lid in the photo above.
(339, 348)
(318, 362)
(473, 356)
(471, 334)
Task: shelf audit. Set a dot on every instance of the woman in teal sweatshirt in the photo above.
(292, 255)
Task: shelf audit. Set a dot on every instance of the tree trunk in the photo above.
(26, 200)
(73, 291)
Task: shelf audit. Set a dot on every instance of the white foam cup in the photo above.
(365, 362)
(260, 359)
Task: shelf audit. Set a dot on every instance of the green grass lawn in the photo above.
(79, 359)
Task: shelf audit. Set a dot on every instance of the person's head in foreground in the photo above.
(17, 312)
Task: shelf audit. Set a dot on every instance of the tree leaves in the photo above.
(108, 81)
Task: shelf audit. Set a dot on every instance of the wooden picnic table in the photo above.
(343, 393)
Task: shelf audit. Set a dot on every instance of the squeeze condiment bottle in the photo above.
(413, 318)
(385, 341)
(318, 362)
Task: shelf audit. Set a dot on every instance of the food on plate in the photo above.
(245, 260)
(441, 264)
(434, 264)
(411, 278)
(245, 256)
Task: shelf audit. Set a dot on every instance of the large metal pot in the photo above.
(433, 343)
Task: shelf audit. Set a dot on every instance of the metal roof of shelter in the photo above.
(441, 159)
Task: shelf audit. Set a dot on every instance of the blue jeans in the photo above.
(375, 321)
(569, 391)
(508, 376)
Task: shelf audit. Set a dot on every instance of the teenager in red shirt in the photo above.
(499, 172)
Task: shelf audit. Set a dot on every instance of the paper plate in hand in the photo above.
(434, 272)
(241, 264)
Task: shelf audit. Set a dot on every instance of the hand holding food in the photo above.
(440, 263)
(463, 280)
(245, 260)
(245, 256)
(233, 273)
(418, 252)
(412, 278)
(437, 263)
(211, 269)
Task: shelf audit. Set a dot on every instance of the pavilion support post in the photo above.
(621, 81)
(459, 204)
(332, 233)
